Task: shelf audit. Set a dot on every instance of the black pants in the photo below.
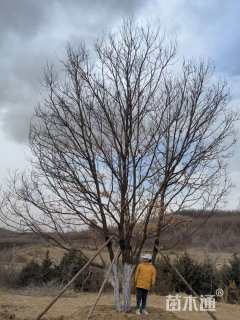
(141, 296)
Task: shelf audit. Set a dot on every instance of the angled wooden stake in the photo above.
(73, 279)
(103, 284)
(211, 314)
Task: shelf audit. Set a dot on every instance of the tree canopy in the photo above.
(127, 134)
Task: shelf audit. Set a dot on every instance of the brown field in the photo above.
(19, 255)
(217, 240)
(22, 306)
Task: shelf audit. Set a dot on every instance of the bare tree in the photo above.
(126, 136)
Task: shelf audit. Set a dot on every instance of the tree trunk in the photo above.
(126, 286)
(155, 250)
(159, 225)
(116, 287)
(122, 280)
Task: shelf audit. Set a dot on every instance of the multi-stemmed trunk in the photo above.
(126, 286)
(122, 283)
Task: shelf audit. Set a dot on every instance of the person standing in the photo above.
(145, 277)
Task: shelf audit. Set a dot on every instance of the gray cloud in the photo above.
(218, 27)
(208, 28)
(34, 32)
(20, 17)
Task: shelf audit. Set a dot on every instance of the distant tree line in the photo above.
(201, 213)
(40, 274)
(204, 277)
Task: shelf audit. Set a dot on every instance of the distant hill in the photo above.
(10, 238)
(220, 232)
(7, 233)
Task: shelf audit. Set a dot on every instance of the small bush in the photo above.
(69, 266)
(47, 269)
(189, 269)
(37, 274)
(208, 278)
(202, 277)
(164, 281)
(231, 272)
(8, 277)
(41, 274)
(30, 275)
(89, 280)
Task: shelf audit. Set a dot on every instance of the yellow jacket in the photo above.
(145, 275)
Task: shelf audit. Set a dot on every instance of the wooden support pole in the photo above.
(103, 284)
(73, 279)
(211, 314)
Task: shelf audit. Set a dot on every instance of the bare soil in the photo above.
(22, 306)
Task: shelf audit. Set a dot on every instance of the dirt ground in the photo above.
(23, 306)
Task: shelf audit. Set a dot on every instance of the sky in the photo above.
(34, 33)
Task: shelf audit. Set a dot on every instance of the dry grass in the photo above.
(27, 304)
(198, 254)
(22, 255)
(75, 307)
